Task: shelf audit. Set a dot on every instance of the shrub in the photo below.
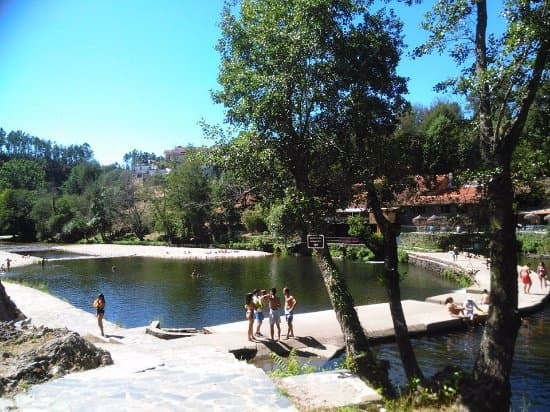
(360, 253)
(402, 256)
(253, 220)
(290, 366)
(534, 243)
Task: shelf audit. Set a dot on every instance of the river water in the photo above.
(139, 290)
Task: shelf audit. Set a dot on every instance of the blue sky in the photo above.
(132, 74)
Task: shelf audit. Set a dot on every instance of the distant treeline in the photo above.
(56, 160)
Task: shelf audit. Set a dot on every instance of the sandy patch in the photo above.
(111, 251)
(106, 250)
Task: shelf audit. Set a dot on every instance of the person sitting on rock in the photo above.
(471, 310)
(454, 308)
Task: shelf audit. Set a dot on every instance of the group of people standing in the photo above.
(260, 305)
(525, 276)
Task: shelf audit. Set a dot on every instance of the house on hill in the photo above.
(176, 154)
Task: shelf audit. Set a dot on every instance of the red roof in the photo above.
(440, 191)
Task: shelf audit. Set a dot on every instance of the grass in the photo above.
(41, 286)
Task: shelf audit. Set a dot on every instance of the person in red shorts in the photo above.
(525, 275)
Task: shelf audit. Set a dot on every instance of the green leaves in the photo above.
(22, 174)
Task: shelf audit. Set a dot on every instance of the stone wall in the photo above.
(439, 266)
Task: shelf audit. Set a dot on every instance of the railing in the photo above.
(343, 240)
(533, 228)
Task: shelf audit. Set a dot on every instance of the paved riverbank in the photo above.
(148, 374)
(200, 372)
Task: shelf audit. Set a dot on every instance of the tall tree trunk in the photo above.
(391, 280)
(491, 385)
(491, 373)
(367, 367)
(393, 289)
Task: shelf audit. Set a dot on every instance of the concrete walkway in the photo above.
(200, 372)
(148, 373)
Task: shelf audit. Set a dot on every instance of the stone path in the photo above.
(148, 374)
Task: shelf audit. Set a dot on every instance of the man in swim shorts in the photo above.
(274, 316)
(290, 304)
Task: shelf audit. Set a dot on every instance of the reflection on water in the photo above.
(530, 377)
(144, 289)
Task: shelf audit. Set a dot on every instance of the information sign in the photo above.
(316, 241)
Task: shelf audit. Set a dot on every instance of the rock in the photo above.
(8, 309)
(32, 355)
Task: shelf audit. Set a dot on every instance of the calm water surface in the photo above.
(140, 290)
(530, 378)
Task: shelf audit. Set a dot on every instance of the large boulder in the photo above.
(8, 309)
(30, 355)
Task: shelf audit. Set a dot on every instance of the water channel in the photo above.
(139, 290)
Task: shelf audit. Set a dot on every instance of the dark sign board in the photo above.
(315, 241)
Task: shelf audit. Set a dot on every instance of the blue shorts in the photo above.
(289, 317)
(259, 316)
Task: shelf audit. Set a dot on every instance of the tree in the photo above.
(298, 76)
(101, 212)
(530, 162)
(443, 147)
(501, 76)
(137, 157)
(83, 177)
(15, 209)
(163, 217)
(189, 198)
(22, 174)
(228, 198)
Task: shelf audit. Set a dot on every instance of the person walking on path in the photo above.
(525, 275)
(99, 305)
(8, 264)
(290, 304)
(249, 308)
(543, 277)
(455, 253)
(274, 315)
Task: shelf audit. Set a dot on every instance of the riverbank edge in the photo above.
(475, 267)
(440, 259)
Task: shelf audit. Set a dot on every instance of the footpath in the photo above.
(202, 371)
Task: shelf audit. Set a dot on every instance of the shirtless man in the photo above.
(290, 304)
(274, 316)
(454, 308)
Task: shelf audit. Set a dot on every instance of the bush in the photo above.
(253, 220)
(402, 256)
(534, 243)
(444, 241)
(360, 253)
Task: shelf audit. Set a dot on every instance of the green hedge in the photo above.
(534, 243)
(350, 252)
(442, 242)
